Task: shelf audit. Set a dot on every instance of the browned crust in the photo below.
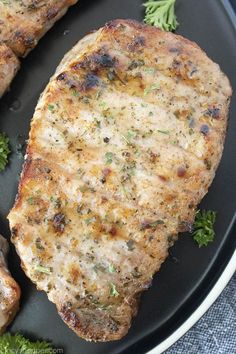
(155, 32)
(96, 331)
(93, 331)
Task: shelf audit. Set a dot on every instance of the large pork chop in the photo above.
(124, 144)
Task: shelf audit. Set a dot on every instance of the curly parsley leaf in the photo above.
(4, 151)
(161, 13)
(17, 343)
(204, 227)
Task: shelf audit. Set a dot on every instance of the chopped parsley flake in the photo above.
(109, 157)
(150, 70)
(90, 220)
(51, 108)
(42, 269)
(167, 132)
(156, 223)
(111, 268)
(75, 93)
(30, 200)
(151, 88)
(131, 134)
(113, 291)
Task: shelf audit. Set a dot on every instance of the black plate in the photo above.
(189, 274)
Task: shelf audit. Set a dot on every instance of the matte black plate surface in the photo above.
(187, 276)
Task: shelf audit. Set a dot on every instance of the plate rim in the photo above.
(212, 296)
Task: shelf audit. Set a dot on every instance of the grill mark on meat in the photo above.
(74, 82)
(136, 44)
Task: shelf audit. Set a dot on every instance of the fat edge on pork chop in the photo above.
(124, 144)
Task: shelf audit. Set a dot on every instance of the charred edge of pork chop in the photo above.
(9, 65)
(9, 290)
(95, 325)
(89, 322)
(21, 30)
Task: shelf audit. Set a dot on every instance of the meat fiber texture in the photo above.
(124, 144)
(22, 24)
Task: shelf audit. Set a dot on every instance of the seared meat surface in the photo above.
(22, 24)
(124, 144)
(9, 290)
(9, 65)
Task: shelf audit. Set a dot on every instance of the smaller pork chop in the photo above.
(9, 290)
(23, 23)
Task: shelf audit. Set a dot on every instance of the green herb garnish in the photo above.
(161, 13)
(111, 268)
(204, 227)
(151, 88)
(131, 134)
(55, 201)
(109, 157)
(30, 200)
(4, 151)
(150, 70)
(75, 93)
(156, 223)
(51, 108)
(42, 269)
(10, 344)
(90, 220)
(113, 291)
(163, 131)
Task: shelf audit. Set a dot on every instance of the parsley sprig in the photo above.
(204, 227)
(17, 343)
(4, 151)
(161, 13)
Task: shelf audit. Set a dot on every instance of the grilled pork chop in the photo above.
(9, 65)
(9, 290)
(22, 24)
(124, 144)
